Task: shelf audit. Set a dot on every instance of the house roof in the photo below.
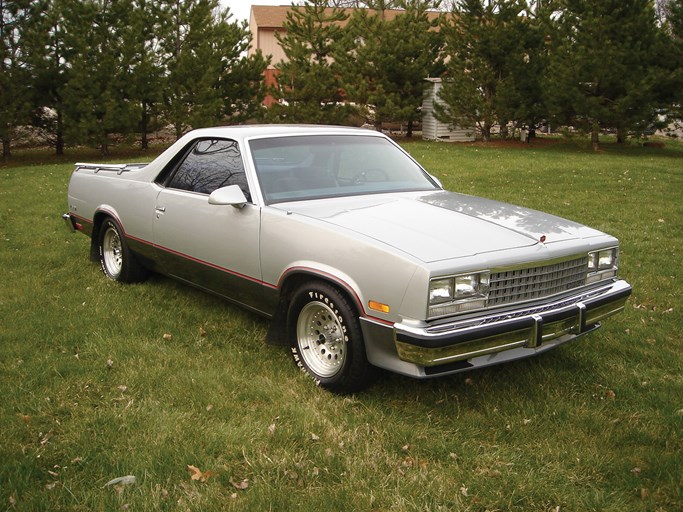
(274, 16)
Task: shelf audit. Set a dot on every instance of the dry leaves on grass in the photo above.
(199, 475)
(242, 485)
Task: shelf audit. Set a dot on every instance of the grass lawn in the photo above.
(100, 380)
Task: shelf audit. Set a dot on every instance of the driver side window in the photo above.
(209, 165)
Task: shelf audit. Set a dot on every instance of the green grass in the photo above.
(91, 389)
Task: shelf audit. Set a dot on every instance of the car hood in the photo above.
(442, 225)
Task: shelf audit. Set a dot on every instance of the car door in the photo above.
(215, 247)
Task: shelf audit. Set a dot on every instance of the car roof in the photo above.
(261, 130)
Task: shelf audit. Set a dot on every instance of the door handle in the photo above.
(160, 209)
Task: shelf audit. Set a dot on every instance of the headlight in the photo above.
(455, 294)
(602, 264)
(440, 290)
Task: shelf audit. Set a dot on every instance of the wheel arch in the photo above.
(101, 213)
(290, 281)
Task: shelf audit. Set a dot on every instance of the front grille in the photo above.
(530, 283)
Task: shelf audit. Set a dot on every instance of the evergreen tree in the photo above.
(492, 53)
(309, 83)
(144, 71)
(670, 43)
(15, 101)
(602, 73)
(97, 96)
(388, 59)
(210, 79)
(50, 57)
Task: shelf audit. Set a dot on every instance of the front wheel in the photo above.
(117, 262)
(326, 339)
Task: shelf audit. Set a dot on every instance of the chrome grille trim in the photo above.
(523, 284)
(509, 315)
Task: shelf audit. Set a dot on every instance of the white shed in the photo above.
(432, 128)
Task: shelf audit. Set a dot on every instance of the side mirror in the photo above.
(231, 195)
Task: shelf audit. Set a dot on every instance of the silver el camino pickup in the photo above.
(356, 254)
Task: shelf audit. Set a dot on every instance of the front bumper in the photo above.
(455, 345)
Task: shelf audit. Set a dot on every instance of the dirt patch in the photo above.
(514, 143)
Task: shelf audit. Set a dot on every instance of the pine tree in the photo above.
(50, 58)
(670, 44)
(15, 101)
(489, 45)
(144, 71)
(309, 83)
(388, 58)
(210, 79)
(97, 95)
(602, 73)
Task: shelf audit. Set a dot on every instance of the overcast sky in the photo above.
(240, 9)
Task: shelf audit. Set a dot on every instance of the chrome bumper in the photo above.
(68, 220)
(530, 327)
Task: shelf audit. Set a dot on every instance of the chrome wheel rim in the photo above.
(320, 337)
(112, 252)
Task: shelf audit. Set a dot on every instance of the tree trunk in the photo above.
(486, 132)
(59, 133)
(595, 133)
(144, 122)
(6, 150)
(504, 130)
(621, 136)
(409, 132)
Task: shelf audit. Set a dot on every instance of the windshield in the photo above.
(317, 166)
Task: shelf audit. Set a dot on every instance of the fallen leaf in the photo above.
(271, 429)
(168, 337)
(644, 494)
(199, 475)
(314, 437)
(464, 491)
(243, 485)
(636, 471)
(123, 389)
(405, 448)
(110, 363)
(123, 480)
(25, 418)
(209, 407)
(610, 394)
(202, 332)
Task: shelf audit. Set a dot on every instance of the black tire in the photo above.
(116, 260)
(326, 339)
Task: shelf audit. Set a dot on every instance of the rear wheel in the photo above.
(326, 339)
(117, 262)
